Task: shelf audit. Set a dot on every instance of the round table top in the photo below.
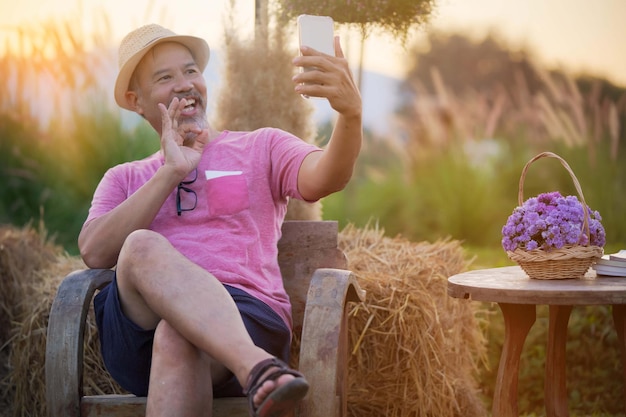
(511, 285)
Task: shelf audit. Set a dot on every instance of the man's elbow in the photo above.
(319, 192)
(94, 258)
(338, 186)
(92, 261)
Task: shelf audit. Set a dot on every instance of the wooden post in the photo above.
(260, 19)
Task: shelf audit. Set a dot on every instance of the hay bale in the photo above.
(32, 269)
(23, 252)
(29, 345)
(415, 350)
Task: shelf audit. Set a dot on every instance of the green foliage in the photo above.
(21, 153)
(51, 176)
(454, 196)
(449, 195)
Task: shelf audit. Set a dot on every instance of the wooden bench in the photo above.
(315, 277)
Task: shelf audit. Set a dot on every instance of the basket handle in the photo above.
(520, 195)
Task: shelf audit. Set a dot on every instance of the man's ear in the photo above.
(133, 102)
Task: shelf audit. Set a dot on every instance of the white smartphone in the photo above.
(317, 32)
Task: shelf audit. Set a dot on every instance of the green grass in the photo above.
(487, 257)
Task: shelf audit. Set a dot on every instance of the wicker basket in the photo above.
(567, 262)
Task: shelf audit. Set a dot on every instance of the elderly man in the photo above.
(197, 308)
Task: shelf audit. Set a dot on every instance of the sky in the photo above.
(578, 35)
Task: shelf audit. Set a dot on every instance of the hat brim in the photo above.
(199, 49)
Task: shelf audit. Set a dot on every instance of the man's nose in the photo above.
(183, 83)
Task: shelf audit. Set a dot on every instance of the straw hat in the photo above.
(138, 42)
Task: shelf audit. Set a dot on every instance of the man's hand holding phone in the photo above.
(324, 72)
(317, 33)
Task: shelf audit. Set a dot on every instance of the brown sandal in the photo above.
(283, 398)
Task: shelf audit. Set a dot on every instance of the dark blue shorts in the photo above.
(127, 349)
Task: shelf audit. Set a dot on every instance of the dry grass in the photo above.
(23, 254)
(414, 348)
(29, 345)
(257, 90)
(557, 112)
(51, 63)
(32, 270)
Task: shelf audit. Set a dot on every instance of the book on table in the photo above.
(612, 265)
(618, 256)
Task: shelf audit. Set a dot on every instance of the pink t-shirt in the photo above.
(243, 183)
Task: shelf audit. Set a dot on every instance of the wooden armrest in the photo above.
(64, 345)
(323, 351)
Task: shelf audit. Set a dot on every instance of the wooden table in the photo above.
(517, 295)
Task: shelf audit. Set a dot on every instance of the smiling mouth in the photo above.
(190, 107)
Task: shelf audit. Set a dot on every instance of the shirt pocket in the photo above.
(227, 194)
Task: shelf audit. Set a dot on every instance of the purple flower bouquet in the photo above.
(551, 221)
(551, 236)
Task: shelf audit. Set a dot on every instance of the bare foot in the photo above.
(270, 385)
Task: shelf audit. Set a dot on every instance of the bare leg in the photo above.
(180, 372)
(157, 283)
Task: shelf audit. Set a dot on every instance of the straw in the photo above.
(414, 349)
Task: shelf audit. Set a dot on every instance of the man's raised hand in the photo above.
(182, 145)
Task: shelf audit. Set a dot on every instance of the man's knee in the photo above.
(141, 243)
(139, 248)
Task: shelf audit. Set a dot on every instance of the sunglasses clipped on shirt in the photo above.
(192, 196)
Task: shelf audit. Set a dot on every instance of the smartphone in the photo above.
(316, 32)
